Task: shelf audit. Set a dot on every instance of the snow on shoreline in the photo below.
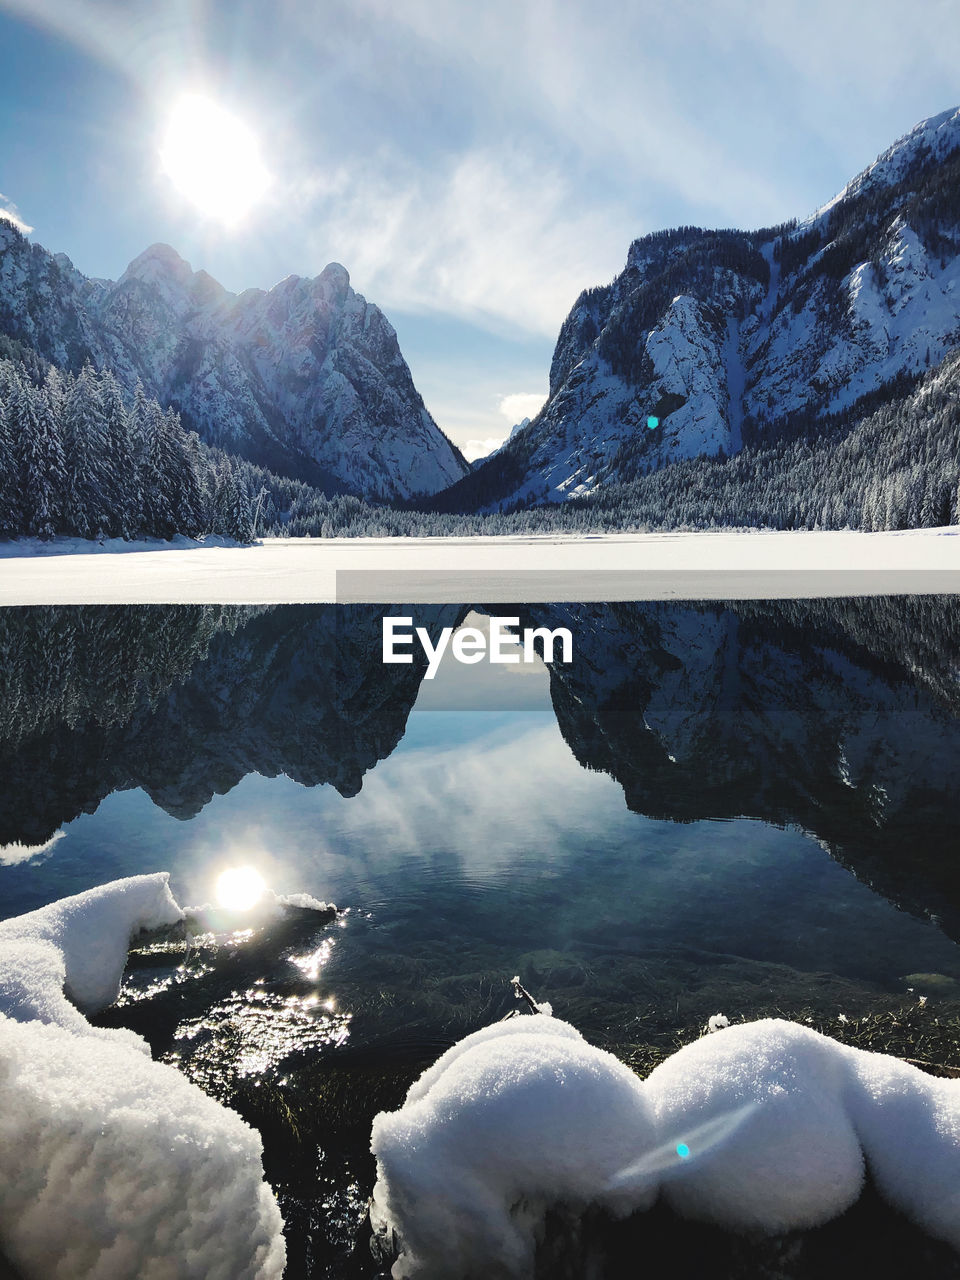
(115, 1167)
(726, 564)
(766, 1126)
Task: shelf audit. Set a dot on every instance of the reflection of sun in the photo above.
(213, 159)
(240, 888)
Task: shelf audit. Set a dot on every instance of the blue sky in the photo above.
(474, 166)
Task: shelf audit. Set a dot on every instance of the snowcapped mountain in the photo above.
(306, 378)
(729, 338)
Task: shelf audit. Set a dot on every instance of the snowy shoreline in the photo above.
(767, 1127)
(717, 565)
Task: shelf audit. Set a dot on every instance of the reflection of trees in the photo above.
(184, 701)
(837, 715)
(840, 716)
(65, 666)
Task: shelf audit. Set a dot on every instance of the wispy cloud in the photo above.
(10, 213)
(494, 236)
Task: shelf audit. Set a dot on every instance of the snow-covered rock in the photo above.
(70, 956)
(767, 1126)
(523, 1113)
(115, 1167)
(306, 378)
(727, 335)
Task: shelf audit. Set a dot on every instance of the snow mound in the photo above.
(77, 948)
(761, 1109)
(115, 1167)
(118, 1168)
(523, 1113)
(767, 1126)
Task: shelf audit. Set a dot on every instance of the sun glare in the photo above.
(240, 888)
(213, 159)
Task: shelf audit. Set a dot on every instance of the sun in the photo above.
(240, 888)
(213, 159)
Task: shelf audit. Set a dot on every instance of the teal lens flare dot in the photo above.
(653, 422)
(682, 1149)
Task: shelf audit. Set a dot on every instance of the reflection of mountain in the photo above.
(186, 701)
(840, 716)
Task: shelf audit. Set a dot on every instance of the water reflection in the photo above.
(838, 716)
(662, 829)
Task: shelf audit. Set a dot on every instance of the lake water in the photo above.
(743, 809)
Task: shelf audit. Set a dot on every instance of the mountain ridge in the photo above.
(734, 337)
(306, 378)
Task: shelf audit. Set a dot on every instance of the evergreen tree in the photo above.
(156, 483)
(88, 496)
(9, 507)
(122, 471)
(39, 454)
(239, 513)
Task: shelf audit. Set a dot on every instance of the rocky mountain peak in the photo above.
(728, 338)
(160, 263)
(306, 379)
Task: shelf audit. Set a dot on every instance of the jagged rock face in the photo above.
(731, 336)
(307, 378)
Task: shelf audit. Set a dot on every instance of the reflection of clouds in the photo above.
(492, 801)
(486, 686)
(11, 855)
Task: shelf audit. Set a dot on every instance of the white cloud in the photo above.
(474, 449)
(10, 213)
(493, 235)
(520, 405)
(610, 93)
(11, 855)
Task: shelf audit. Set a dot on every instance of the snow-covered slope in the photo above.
(306, 378)
(729, 337)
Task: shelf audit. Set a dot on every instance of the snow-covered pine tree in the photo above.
(87, 497)
(9, 508)
(196, 502)
(155, 480)
(39, 453)
(181, 482)
(122, 471)
(239, 512)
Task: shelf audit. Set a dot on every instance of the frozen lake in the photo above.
(723, 565)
